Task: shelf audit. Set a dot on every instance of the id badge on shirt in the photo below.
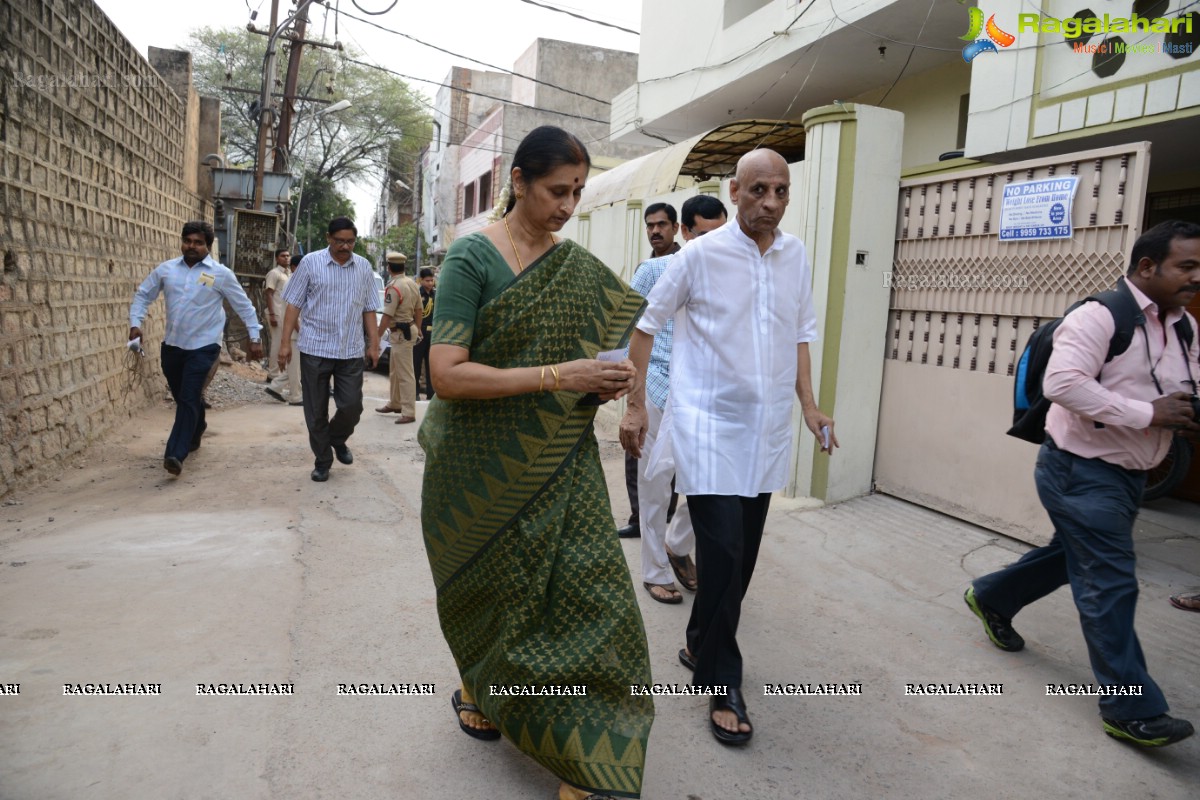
(207, 280)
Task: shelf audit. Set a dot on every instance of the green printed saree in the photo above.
(533, 587)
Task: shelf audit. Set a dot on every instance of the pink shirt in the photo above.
(1122, 398)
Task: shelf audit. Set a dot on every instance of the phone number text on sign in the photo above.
(1053, 232)
(1038, 209)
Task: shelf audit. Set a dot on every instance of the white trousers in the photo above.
(654, 495)
(287, 383)
(273, 355)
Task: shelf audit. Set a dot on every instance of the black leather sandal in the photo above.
(733, 701)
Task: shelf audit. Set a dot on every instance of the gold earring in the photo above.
(520, 194)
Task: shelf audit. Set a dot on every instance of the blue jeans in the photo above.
(185, 371)
(1093, 505)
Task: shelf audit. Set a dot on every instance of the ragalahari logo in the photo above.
(983, 44)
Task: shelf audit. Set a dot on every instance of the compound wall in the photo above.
(95, 185)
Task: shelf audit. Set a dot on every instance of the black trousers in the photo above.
(421, 359)
(728, 533)
(186, 371)
(347, 377)
(631, 475)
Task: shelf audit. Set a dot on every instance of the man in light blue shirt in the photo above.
(335, 290)
(193, 287)
(667, 548)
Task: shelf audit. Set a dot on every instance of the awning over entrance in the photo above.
(709, 155)
(716, 153)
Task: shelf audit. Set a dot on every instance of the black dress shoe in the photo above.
(172, 465)
(344, 456)
(195, 445)
(633, 531)
(320, 475)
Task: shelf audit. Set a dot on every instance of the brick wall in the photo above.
(92, 195)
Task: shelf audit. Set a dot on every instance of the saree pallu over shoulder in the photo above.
(534, 594)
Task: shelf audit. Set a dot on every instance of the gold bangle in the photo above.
(554, 370)
(542, 381)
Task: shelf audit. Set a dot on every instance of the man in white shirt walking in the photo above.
(662, 223)
(667, 547)
(727, 424)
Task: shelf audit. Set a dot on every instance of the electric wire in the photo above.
(578, 16)
(478, 94)
(796, 96)
(739, 56)
(472, 128)
(911, 50)
(375, 13)
(339, 12)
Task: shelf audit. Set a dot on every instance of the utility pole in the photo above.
(283, 146)
(265, 112)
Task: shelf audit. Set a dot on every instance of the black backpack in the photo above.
(1029, 404)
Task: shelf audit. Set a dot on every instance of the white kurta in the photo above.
(738, 318)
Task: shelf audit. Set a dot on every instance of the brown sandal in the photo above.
(684, 569)
(1187, 602)
(672, 597)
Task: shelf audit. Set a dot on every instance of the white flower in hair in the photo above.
(501, 203)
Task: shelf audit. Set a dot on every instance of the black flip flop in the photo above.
(687, 659)
(733, 701)
(459, 707)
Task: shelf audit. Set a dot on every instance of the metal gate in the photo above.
(963, 305)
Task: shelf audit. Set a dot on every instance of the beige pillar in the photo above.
(847, 189)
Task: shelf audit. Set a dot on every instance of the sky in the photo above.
(496, 32)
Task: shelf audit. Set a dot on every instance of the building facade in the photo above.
(975, 99)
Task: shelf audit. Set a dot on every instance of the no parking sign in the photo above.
(1038, 209)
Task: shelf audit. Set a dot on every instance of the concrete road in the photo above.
(245, 571)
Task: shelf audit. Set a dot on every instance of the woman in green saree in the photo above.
(534, 594)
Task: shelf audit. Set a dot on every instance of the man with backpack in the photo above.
(1115, 407)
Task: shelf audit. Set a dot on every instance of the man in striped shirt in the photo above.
(334, 289)
(193, 287)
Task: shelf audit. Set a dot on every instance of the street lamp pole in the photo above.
(340, 105)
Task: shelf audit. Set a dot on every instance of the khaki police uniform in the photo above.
(400, 302)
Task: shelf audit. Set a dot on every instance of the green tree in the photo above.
(321, 203)
(383, 130)
(403, 239)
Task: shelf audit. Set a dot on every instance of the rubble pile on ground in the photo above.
(237, 384)
(234, 384)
